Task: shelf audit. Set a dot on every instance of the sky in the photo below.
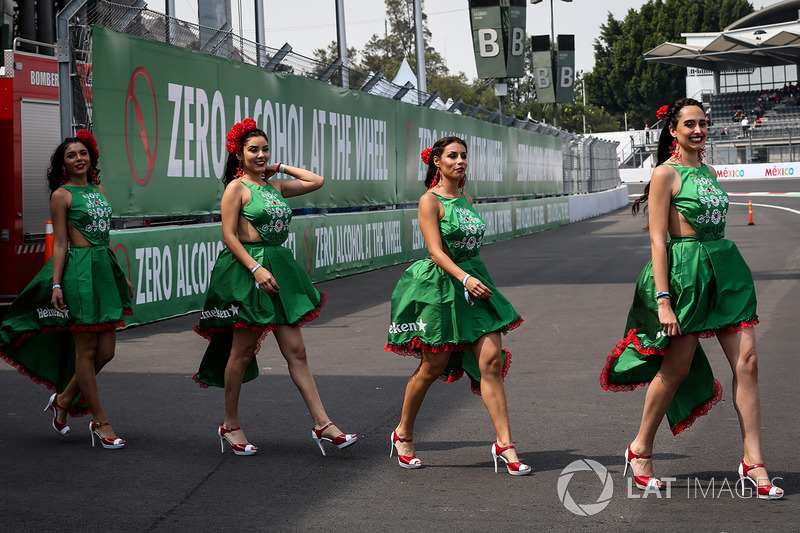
(310, 24)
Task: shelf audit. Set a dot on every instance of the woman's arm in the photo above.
(430, 211)
(662, 189)
(131, 290)
(59, 205)
(304, 180)
(234, 197)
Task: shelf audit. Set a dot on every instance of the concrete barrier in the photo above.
(583, 206)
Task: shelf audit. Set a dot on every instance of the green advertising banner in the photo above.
(498, 37)
(566, 69)
(161, 114)
(502, 162)
(542, 60)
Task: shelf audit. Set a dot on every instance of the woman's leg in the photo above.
(489, 355)
(92, 351)
(106, 346)
(674, 369)
(243, 349)
(740, 349)
(430, 367)
(293, 349)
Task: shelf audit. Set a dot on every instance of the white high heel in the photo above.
(342, 441)
(516, 468)
(238, 449)
(108, 444)
(642, 482)
(62, 429)
(405, 461)
(763, 492)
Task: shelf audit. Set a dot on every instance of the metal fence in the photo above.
(588, 165)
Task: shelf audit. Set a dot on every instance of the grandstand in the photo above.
(748, 69)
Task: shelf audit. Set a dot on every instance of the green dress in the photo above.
(234, 301)
(35, 338)
(430, 308)
(712, 293)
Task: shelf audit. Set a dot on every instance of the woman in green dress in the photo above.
(257, 287)
(696, 285)
(446, 310)
(61, 330)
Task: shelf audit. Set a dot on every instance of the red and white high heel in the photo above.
(238, 449)
(109, 444)
(405, 461)
(515, 469)
(63, 429)
(642, 482)
(342, 441)
(764, 492)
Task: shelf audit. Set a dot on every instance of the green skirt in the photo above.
(233, 301)
(431, 313)
(36, 339)
(712, 293)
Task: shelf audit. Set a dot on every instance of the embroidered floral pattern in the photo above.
(100, 212)
(716, 202)
(472, 228)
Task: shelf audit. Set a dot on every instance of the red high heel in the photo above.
(342, 441)
(764, 492)
(642, 482)
(63, 429)
(238, 449)
(109, 444)
(405, 461)
(515, 469)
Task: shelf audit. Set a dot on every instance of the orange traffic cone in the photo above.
(750, 210)
(49, 240)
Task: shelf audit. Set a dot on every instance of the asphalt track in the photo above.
(572, 285)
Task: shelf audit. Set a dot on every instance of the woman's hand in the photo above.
(57, 299)
(477, 289)
(130, 288)
(266, 281)
(271, 170)
(667, 318)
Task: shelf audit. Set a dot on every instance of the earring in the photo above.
(461, 183)
(701, 153)
(64, 177)
(435, 179)
(239, 171)
(675, 151)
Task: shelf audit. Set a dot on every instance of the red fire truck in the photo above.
(29, 132)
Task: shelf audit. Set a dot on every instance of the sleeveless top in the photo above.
(702, 201)
(90, 213)
(268, 212)
(462, 228)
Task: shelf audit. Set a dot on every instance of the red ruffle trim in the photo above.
(197, 380)
(416, 346)
(26, 372)
(733, 328)
(700, 410)
(631, 338)
(313, 314)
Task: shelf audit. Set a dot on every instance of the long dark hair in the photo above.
(436, 150)
(232, 166)
(55, 173)
(665, 143)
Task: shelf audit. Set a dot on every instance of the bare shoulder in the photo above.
(100, 188)
(469, 198)
(664, 177)
(61, 196)
(711, 169)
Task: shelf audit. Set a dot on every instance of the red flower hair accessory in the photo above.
(237, 132)
(89, 140)
(426, 156)
(661, 114)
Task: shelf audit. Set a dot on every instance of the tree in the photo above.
(622, 81)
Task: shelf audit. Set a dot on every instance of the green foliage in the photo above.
(622, 81)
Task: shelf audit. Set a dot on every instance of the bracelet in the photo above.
(464, 281)
(281, 168)
(56, 286)
(664, 295)
(253, 270)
